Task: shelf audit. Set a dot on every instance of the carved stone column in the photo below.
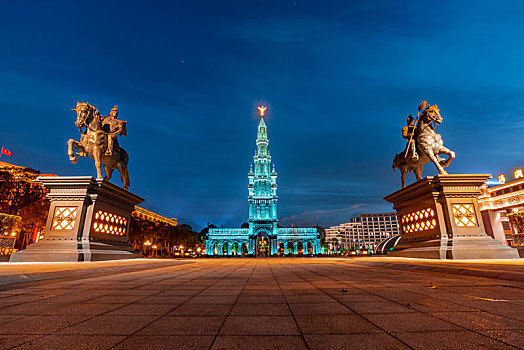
(439, 218)
(88, 220)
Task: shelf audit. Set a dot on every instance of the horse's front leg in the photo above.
(70, 152)
(97, 156)
(449, 153)
(429, 152)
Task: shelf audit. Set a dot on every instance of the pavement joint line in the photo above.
(90, 318)
(233, 306)
(350, 309)
(174, 308)
(427, 314)
(290, 310)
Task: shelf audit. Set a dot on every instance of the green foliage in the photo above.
(517, 220)
(165, 237)
(22, 195)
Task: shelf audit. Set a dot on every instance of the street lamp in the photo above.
(146, 243)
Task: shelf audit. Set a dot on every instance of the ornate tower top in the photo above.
(262, 130)
(262, 184)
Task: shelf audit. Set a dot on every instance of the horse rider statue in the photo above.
(99, 141)
(113, 126)
(424, 144)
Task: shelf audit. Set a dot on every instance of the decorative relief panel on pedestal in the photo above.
(109, 223)
(422, 220)
(64, 218)
(464, 215)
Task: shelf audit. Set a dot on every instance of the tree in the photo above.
(21, 194)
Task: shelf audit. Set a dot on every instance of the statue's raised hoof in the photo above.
(73, 160)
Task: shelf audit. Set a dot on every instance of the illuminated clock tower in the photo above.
(262, 187)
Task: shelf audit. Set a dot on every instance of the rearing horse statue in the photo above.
(429, 145)
(94, 143)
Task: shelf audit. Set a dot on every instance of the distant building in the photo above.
(262, 237)
(145, 214)
(362, 232)
(496, 203)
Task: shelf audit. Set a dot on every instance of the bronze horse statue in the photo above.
(94, 143)
(429, 146)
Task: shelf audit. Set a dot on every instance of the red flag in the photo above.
(6, 152)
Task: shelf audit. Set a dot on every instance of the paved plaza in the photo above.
(286, 303)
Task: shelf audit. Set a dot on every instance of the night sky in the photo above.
(339, 78)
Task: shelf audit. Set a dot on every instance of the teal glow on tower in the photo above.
(262, 237)
(262, 188)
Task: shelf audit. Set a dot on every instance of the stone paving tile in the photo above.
(319, 309)
(83, 309)
(142, 309)
(11, 341)
(68, 342)
(109, 325)
(257, 309)
(155, 299)
(334, 324)
(479, 320)
(378, 341)
(513, 337)
(300, 299)
(358, 297)
(40, 324)
(230, 299)
(248, 299)
(377, 307)
(259, 325)
(175, 342)
(409, 322)
(226, 342)
(201, 310)
(449, 340)
(114, 299)
(184, 325)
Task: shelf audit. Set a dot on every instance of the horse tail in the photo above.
(124, 157)
(395, 164)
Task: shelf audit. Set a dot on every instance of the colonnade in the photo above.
(234, 247)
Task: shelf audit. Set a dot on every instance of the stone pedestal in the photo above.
(88, 220)
(439, 218)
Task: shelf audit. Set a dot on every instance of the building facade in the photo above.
(497, 204)
(362, 232)
(262, 237)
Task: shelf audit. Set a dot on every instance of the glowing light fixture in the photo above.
(518, 174)
(262, 110)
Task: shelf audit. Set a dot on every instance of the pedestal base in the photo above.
(439, 218)
(88, 221)
(49, 251)
(458, 248)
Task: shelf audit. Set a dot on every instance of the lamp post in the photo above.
(146, 244)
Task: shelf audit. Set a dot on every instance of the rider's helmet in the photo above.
(114, 111)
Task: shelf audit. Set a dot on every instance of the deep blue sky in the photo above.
(339, 77)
